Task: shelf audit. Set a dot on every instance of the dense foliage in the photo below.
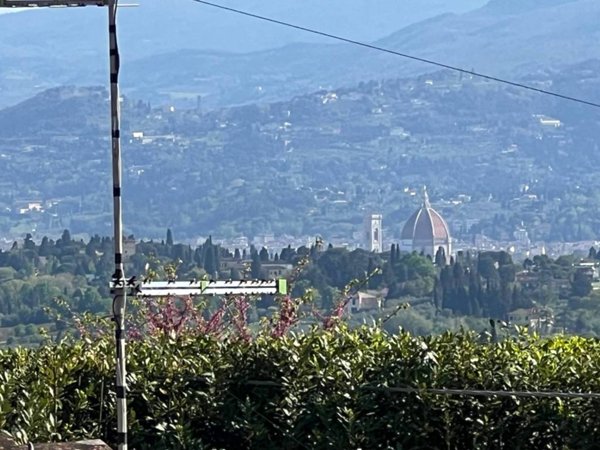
(33, 275)
(444, 295)
(321, 389)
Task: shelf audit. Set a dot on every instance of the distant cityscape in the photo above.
(375, 236)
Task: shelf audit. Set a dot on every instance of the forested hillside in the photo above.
(314, 164)
(43, 284)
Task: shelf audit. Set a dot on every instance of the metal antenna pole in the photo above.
(119, 276)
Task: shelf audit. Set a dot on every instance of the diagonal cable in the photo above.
(403, 55)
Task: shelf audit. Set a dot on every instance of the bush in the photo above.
(19, 330)
(319, 389)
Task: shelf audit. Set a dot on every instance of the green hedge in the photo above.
(315, 390)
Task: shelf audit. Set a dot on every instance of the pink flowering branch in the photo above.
(337, 313)
(239, 318)
(172, 316)
(215, 325)
(286, 318)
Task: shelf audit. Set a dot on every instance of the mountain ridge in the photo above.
(76, 37)
(505, 46)
(539, 35)
(516, 6)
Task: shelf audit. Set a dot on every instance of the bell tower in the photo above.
(373, 233)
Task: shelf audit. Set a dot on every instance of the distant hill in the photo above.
(166, 58)
(64, 110)
(316, 163)
(519, 6)
(159, 26)
(50, 47)
(552, 35)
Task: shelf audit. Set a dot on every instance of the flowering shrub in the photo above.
(200, 377)
(184, 316)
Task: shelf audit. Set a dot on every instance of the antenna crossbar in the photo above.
(206, 287)
(50, 3)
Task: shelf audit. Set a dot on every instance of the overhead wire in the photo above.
(403, 55)
(454, 392)
(486, 393)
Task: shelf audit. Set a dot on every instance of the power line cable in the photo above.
(451, 392)
(486, 393)
(403, 55)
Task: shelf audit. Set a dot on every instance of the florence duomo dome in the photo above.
(426, 231)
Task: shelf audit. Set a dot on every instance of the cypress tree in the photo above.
(440, 257)
(264, 255)
(256, 266)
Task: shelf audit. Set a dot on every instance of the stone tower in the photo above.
(373, 233)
